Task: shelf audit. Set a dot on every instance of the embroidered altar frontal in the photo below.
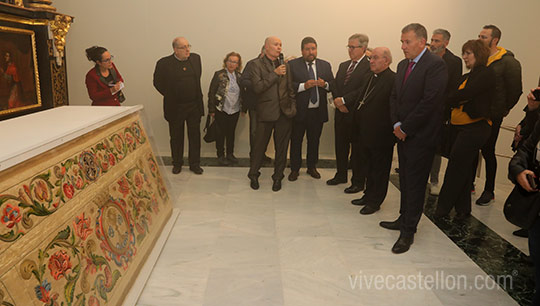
(78, 221)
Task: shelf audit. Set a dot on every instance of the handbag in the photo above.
(210, 129)
(521, 208)
(449, 133)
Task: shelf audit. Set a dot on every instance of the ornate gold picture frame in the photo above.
(19, 78)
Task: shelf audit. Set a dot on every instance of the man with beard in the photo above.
(508, 89)
(439, 43)
(310, 77)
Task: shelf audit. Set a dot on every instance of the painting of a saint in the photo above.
(19, 80)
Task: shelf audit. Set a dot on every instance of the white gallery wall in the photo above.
(139, 32)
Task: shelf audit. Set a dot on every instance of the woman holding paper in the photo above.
(103, 81)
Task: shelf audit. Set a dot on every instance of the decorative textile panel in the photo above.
(77, 222)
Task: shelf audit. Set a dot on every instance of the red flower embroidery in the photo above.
(69, 190)
(80, 183)
(139, 180)
(112, 159)
(93, 301)
(41, 191)
(129, 139)
(124, 186)
(11, 215)
(81, 227)
(59, 264)
(108, 277)
(90, 267)
(119, 144)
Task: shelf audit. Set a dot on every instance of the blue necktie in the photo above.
(313, 90)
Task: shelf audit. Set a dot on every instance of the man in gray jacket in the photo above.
(275, 107)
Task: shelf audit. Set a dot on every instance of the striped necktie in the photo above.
(349, 72)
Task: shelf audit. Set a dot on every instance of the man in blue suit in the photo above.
(310, 77)
(416, 106)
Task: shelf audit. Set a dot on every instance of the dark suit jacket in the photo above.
(350, 91)
(299, 72)
(166, 79)
(418, 103)
(274, 93)
(249, 98)
(455, 70)
(374, 126)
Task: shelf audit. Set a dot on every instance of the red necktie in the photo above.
(349, 72)
(408, 72)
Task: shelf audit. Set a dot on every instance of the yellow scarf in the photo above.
(459, 117)
(497, 56)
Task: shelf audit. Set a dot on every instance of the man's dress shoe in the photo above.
(391, 225)
(403, 244)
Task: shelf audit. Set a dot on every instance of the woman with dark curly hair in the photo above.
(470, 120)
(224, 104)
(103, 81)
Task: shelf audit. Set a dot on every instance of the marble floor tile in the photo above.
(303, 245)
(244, 286)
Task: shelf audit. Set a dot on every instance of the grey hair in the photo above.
(445, 34)
(418, 29)
(363, 39)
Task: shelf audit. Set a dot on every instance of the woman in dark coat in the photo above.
(103, 82)
(470, 121)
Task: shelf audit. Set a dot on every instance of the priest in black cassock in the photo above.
(374, 130)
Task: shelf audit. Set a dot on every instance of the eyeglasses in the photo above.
(108, 60)
(184, 47)
(352, 47)
(232, 62)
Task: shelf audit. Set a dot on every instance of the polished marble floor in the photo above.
(306, 245)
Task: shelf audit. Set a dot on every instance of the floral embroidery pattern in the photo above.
(83, 263)
(11, 216)
(45, 193)
(59, 264)
(81, 226)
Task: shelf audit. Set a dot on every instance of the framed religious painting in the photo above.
(19, 78)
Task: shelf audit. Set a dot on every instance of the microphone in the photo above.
(281, 61)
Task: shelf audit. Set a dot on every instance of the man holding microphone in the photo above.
(275, 106)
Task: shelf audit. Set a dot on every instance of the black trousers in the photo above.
(226, 125)
(415, 160)
(313, 128)
(176, 132)
(282, 135)
(252, 130)
(378, 161)
(456, 188)
(488, 153)
(343, 128)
